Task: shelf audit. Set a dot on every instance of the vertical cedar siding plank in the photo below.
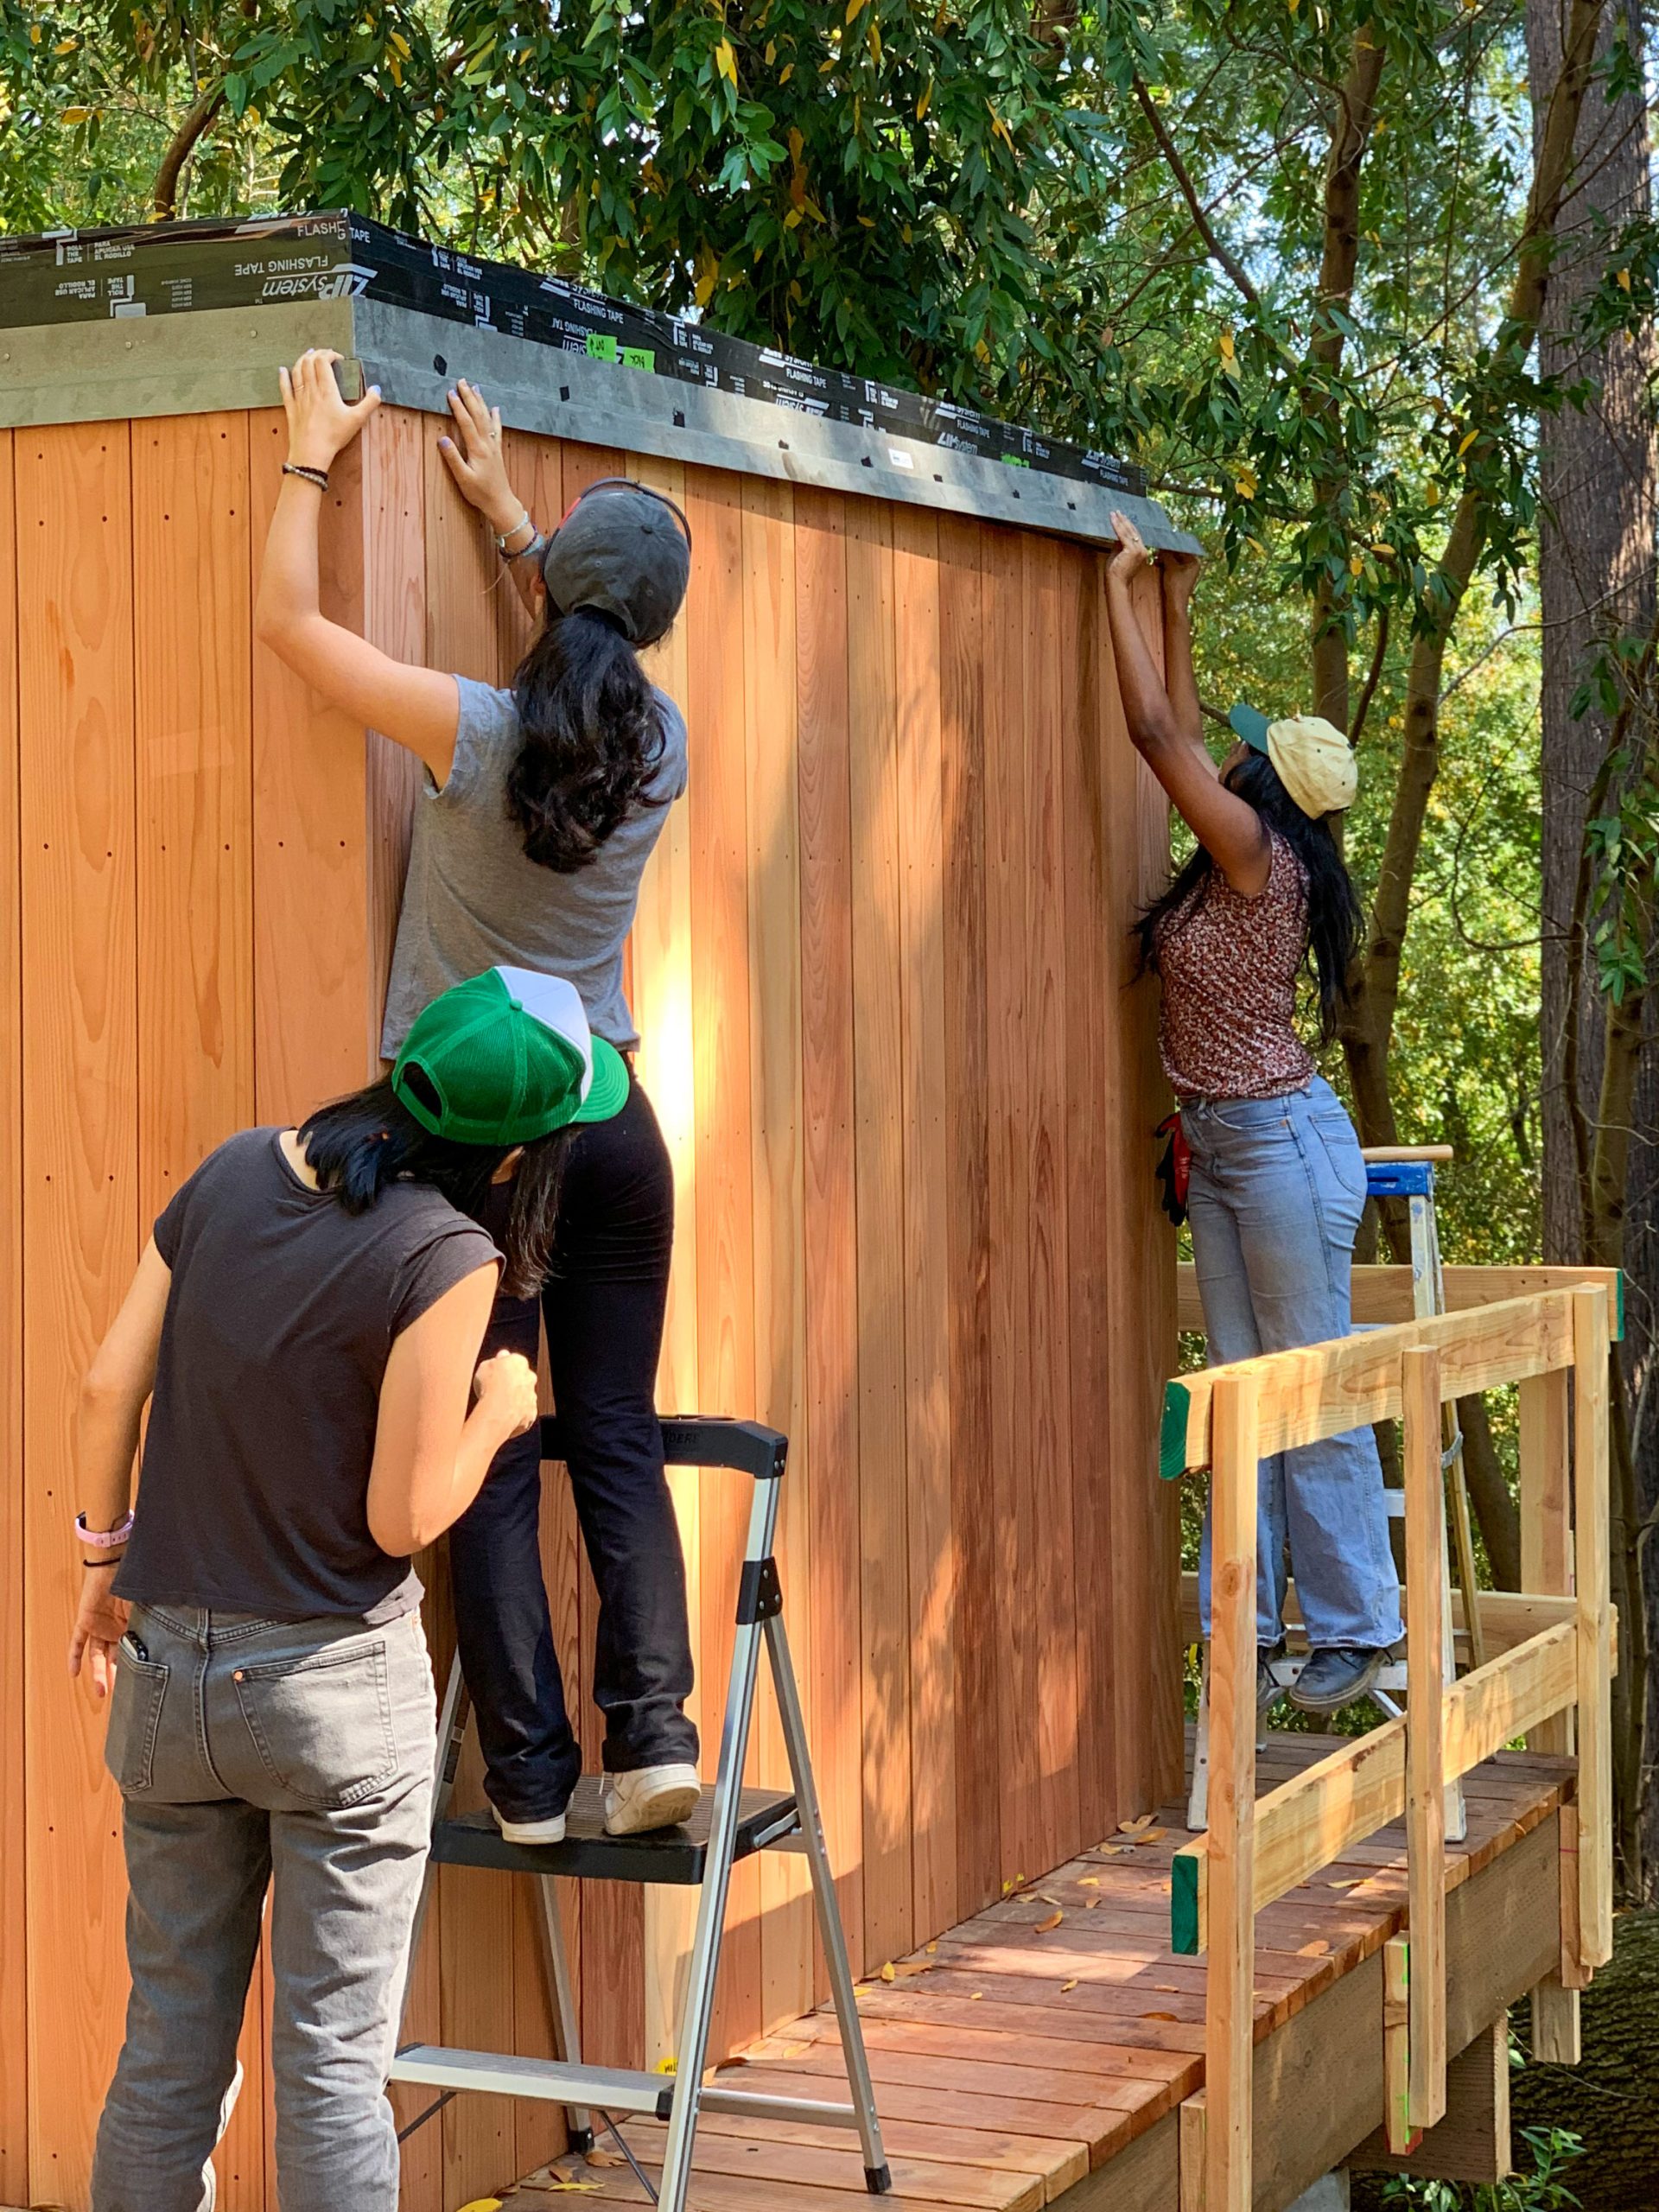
(1089, 1100)
(661, 999)
(934, 1576)
(830, 1658)
(613, 1984)
(80, 1221)
(1012, 1138)
(477, 1970)
(1160, 1658)
(718, 803)
(1051, 641)
(962, 710)
(878, 1153)
(194, 785)
(310, 917)
(14, 1947)
(775, 1079)
(394, 618)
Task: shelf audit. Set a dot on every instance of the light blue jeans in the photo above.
(1277, 1189)
(250, 1751)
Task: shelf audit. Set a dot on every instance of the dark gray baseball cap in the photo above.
(624, 550)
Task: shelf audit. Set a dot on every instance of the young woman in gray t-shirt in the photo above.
(540, 806)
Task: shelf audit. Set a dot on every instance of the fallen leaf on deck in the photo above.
(1158, 2016)
(1064, 1986)
(1090, 1904)
(1131, 1827)
(932, 1947)
(1352, 1883)
(1043, 1897)
(1112, 1850)
(974, 1996)
(598, 2157)
(1088, 1881)
(1053, 1921)
(907, 1967)
(1153, 1835)
(889, 1973)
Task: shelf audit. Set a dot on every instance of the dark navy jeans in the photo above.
(604, 1305)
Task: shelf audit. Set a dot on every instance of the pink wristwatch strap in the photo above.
(104, 1539)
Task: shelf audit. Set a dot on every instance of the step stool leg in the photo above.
(561, 1995)
(877, 2178)
(452, 1734)
(717, 1867)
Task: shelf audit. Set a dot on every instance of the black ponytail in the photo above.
(357, 1147)
(1335, 918)
(592, 739)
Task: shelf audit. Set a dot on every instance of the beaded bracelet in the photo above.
(317, 476)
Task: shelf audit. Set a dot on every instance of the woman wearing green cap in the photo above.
(1277, 1181)
(306, 1325)
(540, 807)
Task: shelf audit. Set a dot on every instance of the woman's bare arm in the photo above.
(431, 1454)
(417, 708)
(1228, 827)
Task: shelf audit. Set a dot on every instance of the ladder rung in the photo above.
(500, 2073)
(744, 2104)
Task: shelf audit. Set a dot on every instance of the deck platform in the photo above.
(1037, 2054)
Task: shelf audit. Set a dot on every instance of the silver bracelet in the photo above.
(502, 536)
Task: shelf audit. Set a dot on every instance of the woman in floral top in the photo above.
(1277, 1180)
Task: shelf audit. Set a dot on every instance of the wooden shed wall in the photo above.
(882, 974)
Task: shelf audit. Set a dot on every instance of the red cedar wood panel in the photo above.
(613, 1984)
(1092, 1087)
(310, 917)
(194, 751)
(1019, 1537)
(1050, 636)
(830, 1658)
(932, 1596)
(969, 1233)
(13, 1948)
(477, 1967)
(80, 1221)
(1155, 1339)
(769, 745)
(717, 800)
(889, 1901)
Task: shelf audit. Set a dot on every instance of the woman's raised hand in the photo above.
(1130, 552)
(320, 424)
(475, 459)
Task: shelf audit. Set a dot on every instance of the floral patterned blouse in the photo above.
(1230, 966)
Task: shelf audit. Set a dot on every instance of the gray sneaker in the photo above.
(1340, 1675)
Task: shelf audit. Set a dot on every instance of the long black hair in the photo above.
(1335, 918)
(593, 738)
(357, 1145)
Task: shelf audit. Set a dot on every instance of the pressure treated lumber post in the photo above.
(1420, 1380)
(1546, 1566)
(1229, 2033)
(1590, 1415)
(1546, 1514)
(1397, 2129)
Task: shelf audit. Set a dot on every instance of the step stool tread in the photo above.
(671, 1855)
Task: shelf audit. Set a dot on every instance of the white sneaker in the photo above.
(650, 1797)
(550, 1830)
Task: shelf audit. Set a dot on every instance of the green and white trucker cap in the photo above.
(507, 1056)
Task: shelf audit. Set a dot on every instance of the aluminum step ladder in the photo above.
(1394, 1172)
(730, 1823)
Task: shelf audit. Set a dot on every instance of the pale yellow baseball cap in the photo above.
(1314, 760)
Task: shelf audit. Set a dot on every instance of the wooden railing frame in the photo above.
(1552, 1674)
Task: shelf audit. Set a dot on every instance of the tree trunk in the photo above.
(1600, 482)
(164, 192)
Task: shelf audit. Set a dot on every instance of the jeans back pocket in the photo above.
(135, 1718)
(321, 1723)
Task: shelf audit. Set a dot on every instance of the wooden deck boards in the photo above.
(1022, 2051)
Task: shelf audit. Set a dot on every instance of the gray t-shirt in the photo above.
(282, 1314)
(473, 898)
